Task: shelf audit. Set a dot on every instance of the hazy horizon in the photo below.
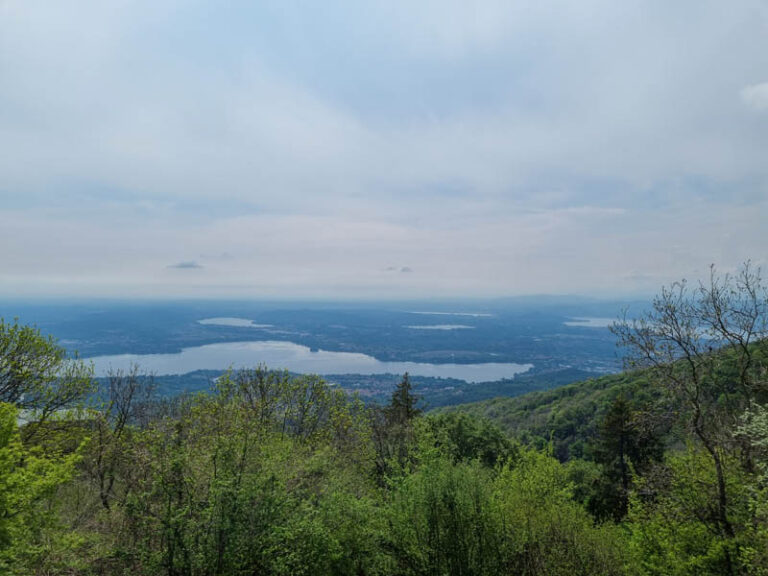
(379, 151)
(439, 302)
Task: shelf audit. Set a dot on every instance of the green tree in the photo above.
(27, 478)
(393, 430)
(706, 347)
(37, 376)
(626, 443)
(442, 519)
(403, 407)
(226, 485)
(546, 532)
(673, 519)
(126, 402)
(467, 437)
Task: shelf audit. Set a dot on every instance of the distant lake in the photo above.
(591, 322)
(442, 327)
(470, 314)
(297, 358)
(232, 322)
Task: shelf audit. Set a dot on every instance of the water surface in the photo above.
(470, 314)
(236, 322)
(297, 358)
(591, 322)
(442, 327)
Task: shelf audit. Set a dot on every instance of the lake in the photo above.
(297, 358)
(591, 322)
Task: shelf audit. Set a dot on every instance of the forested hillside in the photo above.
(274, 474)
(569, 416)
(661, 470)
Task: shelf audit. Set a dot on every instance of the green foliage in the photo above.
(403, 405)
(451, 517)
(37, 376)
(673, 519)
(27, 478)
(545, 530)
(705, 346)
(393, 431)
(240, 484)
(467, 437)
(627, 443)
(442, 520)
(754, 430)
(569, 417)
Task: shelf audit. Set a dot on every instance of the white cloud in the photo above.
(756, 96)
(497, 147)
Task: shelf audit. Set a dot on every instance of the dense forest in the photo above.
(659, 470)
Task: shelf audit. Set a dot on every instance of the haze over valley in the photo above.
(365, 347)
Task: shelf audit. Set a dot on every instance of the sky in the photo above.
(380, 148)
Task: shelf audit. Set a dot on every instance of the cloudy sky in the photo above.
(379, 148)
